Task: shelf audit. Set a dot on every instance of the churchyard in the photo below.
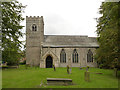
(35, 77)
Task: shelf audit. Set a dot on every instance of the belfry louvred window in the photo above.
(34, 27)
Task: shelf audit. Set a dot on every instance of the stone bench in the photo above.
(59, 81)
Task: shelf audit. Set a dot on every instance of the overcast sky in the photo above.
(65, 17)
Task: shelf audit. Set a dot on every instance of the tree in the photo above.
(11, 31)
(108, 35)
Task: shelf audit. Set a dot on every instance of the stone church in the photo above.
(59, 50)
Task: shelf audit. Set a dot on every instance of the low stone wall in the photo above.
(9, 67)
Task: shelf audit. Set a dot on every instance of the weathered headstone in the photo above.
(87, 68)
(115, 72)
(54, 67)
(87, 76)
(17, 65)
(68, 69)
(81, 68)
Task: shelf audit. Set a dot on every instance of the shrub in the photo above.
(101, 66)
(88, 67)
(22, 63)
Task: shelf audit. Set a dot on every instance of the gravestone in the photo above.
(68, 69)
(87, 76)
(87, 68)
(115, 72)
(54, 67)
(81, 68)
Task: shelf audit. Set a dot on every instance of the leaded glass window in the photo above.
(63, 56)
(75, 56)
(89, 56)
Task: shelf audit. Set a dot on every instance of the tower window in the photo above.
(63, 56)
(75, 56)
(89, 56)
(34, 27)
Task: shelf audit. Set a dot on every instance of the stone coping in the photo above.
(58, 79)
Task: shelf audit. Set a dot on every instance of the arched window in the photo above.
(34, 27)
(89, 56)
(75, 56)
(63, 56)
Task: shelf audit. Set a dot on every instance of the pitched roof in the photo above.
(69, 41)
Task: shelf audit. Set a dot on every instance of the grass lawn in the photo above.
(32, 77)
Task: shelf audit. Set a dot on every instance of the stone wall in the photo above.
(55, 54)
(33, 56)
(34, 40)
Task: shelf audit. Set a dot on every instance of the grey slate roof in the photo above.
(69, 41)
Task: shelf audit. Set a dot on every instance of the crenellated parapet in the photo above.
(31, 18)
(34, 17)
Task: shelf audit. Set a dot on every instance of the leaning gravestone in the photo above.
(54, 67)
(68, 69)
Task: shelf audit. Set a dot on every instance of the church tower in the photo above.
(34, 38)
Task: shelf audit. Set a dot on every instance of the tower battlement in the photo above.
(34, 18)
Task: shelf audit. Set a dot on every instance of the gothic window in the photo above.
(34, 27)
(89, 56)
(63, 56)
(75, 56)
